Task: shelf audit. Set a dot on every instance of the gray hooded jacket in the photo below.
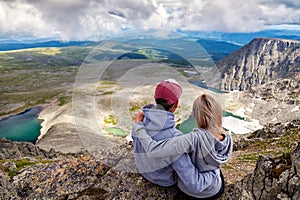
(206, 151)
(168, 170)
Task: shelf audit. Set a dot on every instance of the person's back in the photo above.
(212, 145)
(160, 124)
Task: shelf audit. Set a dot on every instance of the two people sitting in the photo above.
(166, 157)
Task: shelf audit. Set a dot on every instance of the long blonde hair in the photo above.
(207, 113)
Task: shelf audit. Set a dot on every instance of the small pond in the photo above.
(24, 126)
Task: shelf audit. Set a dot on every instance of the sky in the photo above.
(95, 19)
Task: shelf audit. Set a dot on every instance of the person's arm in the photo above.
(190, 176)
(168, 147)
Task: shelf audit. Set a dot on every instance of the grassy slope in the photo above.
(36, 76)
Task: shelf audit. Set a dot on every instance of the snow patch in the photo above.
(274, 119)
(129, 138)
(240, 112)
(190, 72)
(250, 110)
(295, 109)
(238, 126)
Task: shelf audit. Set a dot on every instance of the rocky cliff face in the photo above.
(258, 62)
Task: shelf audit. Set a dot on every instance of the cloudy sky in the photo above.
(93, 19)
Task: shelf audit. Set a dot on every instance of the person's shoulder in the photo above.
(199, 133)
(193, 135)
(175, 132)
(196, 131)
(227, 135)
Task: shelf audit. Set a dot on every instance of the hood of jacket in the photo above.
(212, 150)
(157, 119)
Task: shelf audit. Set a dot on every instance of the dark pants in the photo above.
(182, 196)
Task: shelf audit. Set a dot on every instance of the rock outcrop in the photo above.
(273, 178)
(274, 102)
(279, 134)
(259, 62)
(7, 191)
(276, 175)
(53, 175)
(19, 150)
(58, 130)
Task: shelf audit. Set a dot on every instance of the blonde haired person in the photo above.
(208, 145)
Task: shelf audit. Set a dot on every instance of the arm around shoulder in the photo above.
(168, 147)
(190, 177)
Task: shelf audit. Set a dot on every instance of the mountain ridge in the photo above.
(218, 49)
(258, 62)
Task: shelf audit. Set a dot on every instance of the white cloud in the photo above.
(280, 14)
(86, 19)
(288, 3)
(220, 15)
(18, 18)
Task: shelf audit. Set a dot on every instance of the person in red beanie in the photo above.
(167, 94)
(159, 122)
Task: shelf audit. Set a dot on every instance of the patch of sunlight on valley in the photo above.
(51, 51)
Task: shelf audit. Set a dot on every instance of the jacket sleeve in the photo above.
(190, 176)
(169, 147)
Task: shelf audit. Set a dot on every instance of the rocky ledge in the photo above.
(273, 178)
(277, 170)
(28, 172)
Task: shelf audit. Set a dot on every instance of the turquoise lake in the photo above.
(24, 126)
(189, 124)
(202, 85)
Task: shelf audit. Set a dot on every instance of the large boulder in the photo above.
(273, 178)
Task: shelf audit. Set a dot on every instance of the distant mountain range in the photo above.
(218, 49)
(237, 38)
(256, 63)
(245, 38)
(215, 49)
(5, 46)
(217, 44)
